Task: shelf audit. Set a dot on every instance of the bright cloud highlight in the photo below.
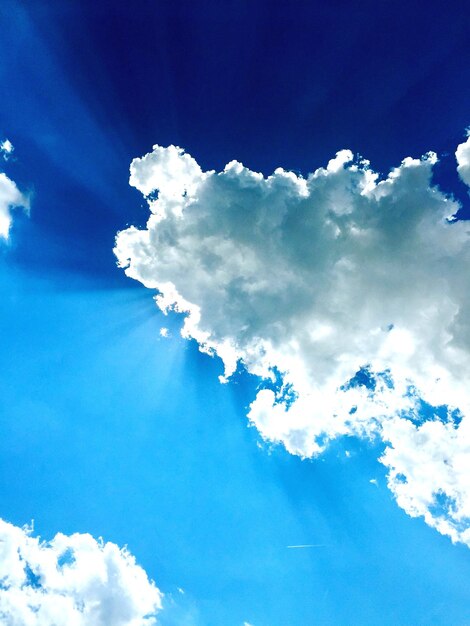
(350, 289)
(462, 155)
(71, 581)
(6, 149)
(10, 195)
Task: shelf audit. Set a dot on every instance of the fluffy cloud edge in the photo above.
(10, 196)
(72, 580)
(462, 154)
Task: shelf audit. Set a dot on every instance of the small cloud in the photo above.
(6, 149)
(164, 332)
(373, 481)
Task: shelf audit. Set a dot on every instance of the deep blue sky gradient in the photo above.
(109, 429)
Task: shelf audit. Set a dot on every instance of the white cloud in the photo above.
(429, 472)
(317, 278)
(10, 195)
(462, 155)
(71, 581)
(6, 149)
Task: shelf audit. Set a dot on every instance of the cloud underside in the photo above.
(346, 293)
(71, 581)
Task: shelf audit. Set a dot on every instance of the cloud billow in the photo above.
(71, 581)
(353, 287)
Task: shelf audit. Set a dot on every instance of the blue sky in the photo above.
(109, 428)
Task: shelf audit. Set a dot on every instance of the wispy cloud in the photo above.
(308, 545)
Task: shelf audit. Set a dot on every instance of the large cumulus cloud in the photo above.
(71, 581)
(352, 286)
